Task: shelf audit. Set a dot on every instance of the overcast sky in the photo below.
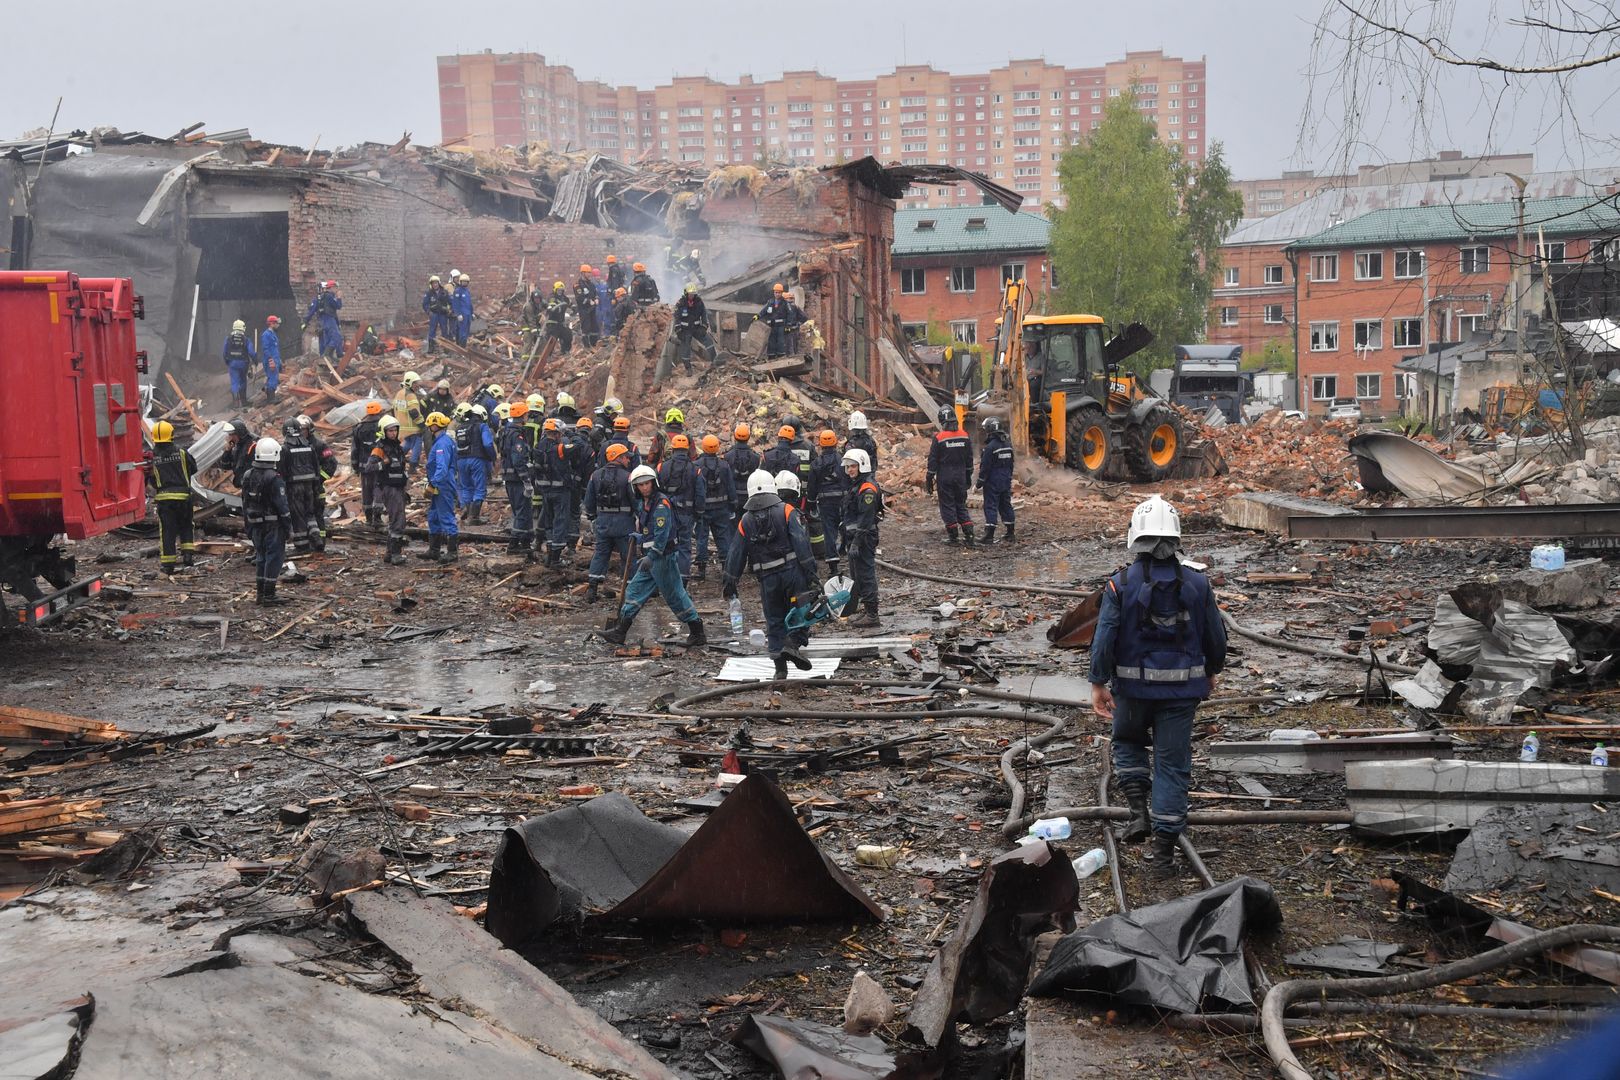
(351, 70)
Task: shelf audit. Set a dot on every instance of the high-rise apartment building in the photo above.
(1012, 123)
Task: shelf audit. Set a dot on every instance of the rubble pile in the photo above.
(1281, 453)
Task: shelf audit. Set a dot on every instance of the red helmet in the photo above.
(274, 320)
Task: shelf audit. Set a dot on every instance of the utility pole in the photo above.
(1521, 269)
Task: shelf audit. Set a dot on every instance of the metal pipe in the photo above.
(994, 586)
(1309, 650)
(1234, 1023)
(1202, 817)
(1109, 846)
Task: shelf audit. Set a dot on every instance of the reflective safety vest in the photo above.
(393, 472)
(676, 478)
(1159, 652)
(298, 461)
(171, 473)
(765, 531)
(715, 495)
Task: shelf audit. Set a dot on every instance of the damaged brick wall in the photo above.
(353, 232)
(490, 251)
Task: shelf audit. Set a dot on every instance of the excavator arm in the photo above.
(1010, 354)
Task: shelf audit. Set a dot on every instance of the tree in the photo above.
(1138, 239)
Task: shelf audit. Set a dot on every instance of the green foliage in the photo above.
(1138, 239)
(1277, 355)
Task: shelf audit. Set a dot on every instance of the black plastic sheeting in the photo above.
(806, 1050)
(1185, 955)
(751, 861)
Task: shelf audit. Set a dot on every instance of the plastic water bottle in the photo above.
(756, 638)
(1529, 748)
(1089, 863)
(735, 610)
(1600, 756)
(1057, 828)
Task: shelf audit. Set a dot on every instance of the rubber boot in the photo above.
(695, 635)
(781, 665)
(620, 629)
(396, 551)
(950, 534)
(270, 598)
(989, 535)
(435, 541)
(452, 550)
(701, 573)
(1162, 853)
(526, 549)
(553, 555)
(800, 661)
(1009, 533)
(865, 619)
(967, 535)
(188, 558)
(477, 517)
(591, 591)
(513, 547)
(832, 567)
(1138, 828)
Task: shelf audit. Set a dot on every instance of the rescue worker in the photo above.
(438, 304)
(534, 315)
(533, 424)
(659, 568)
(1159, 646)
(623, 308)
(683, 486)
(674, 424)
(950, 473)
(643, 289)
(514, 449)
(577, 451)
(567, 411)
(552, 476)
(772, 543)
(615, 274)
(475, 449)
(238, 450)
(444, 545)
(590, 331)
(743, 459)
(860, 438)
(361, 440)
(461, 306)
(557, 318)
(620, 437)
(691, 325)
(239, 358)
(268, 515)
(780, 315)
(440, 399)
(691, 267)
(714, 512)
(388, 468)
(326, 467)
(863, 502)
(604, 301)
(832, 484)
(270, 357)
(370, 343)
(610, 507)
(170, 480)
(324, 308)
(302, 476)
(995, 479)
(781, 457)
(409, 411)
(489, 396)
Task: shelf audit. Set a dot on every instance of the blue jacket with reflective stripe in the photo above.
(1169, 654)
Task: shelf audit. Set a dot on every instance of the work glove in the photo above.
(929, 485)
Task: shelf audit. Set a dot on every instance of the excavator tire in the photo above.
(1088, 446)
(1153, 447)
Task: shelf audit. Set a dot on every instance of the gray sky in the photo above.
(351, 70)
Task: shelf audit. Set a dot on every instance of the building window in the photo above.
(1274, 275)
(1324, 268)
(913, 282)
(1229, 316)
(1405, 385)
(962, 279)
(1370, 386)
(1325, 337)
(1231, 276)
(1324, 387)
(1409, 333)
(1369, 266)
(1409, 264)
(1274, 314)
(966, 331)
(1473, 324)
(1012, 272)
(1552, 252)
(1474, 260)
(1369, 334)
(915, 332)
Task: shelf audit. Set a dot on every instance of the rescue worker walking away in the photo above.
(950, 472)
(514, 451)
(609, 505)
(444, 545)
(715, 519)
(363, 438)
(832, 484)
(643, 289)
(659, 570)
(771, 541)
(475, 449)
(995, 479)
(387, 465)
(863, 502)
(1159, 645)
(324, 308)
(239, 358)
(302, 476)
(743, 459)
(410, 412)
(553, 475)
(267, 515)
(170, 480)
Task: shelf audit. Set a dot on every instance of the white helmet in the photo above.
(857, 421)
(694, 253)
(787, 481)
(857, 456)
(454, 274)
(267, 451)
(761, 482)
(1152, 521)
(389, 422)
(480, 412)
(643, 472)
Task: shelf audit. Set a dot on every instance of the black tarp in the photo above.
(1185, 955)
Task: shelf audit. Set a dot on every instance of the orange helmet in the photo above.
(518, 409)
(777, 287)
(584, 268)
(618, 292)
(711, 445)
(611, 259)
(828, 437)
(786, 432)
(373, 408)
(584, 422)
(615, 451)
(550, 424)
(679, 441)
(742, 434)
(621, 423)
(639, 267)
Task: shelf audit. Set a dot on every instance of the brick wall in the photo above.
(355, 233)
(1238, 313)
(937, 303)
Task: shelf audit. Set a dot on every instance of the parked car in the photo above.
(1345, 409)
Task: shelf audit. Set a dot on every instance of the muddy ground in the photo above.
(304, 697)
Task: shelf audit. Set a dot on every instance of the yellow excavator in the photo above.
(1069, 401)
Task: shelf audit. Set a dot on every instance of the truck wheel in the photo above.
(1087, 446)
(1153, 447)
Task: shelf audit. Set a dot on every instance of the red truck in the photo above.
(71, 439)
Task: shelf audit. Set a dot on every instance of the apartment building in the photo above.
(1273, 195)
(1011, 123)
(950, 265)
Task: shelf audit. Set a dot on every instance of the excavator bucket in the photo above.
(1128, 342)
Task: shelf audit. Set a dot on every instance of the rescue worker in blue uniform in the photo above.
(389, 465)
(831, 486)
(514, 450)
(1159, 645)
(858, 520)
(683, 486)
(781, 315)
(553, 476)
(475, 450)
(715, 517)
(324, 307)
(302, 474)
(267, 516)
(444, 543)
(361, 440)
(691, 327)
(744, 460)
(438, 305)
(950, 473)
(579, 454)
(489, 396)
(461, 306)
(619, 437)
(270, 357)
(239, 357)
(995, 479)
(659, 570)
(604, 302)
(860, 438)
(609, 504)
(771, 541)
(170, 480)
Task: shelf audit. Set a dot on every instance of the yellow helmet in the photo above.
(496, 390)
(537, 401)
(162, 431)
(438, 420)
(613, 405)
(411, 379)
(557, 285)
(463, 409)
(674, 416)
(239, 325)
(565, 400)
(503, 410)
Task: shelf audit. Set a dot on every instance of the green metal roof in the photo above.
(1565, 215)
(961, 229)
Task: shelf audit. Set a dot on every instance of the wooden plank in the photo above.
(197, 424)
(907, 378)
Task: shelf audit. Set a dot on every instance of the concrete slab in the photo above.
(1269, 511)
(1577, 586)
(1397, 798)
(1323, 755)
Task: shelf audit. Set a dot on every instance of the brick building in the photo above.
(950, 264)
(1011, 123)
(1392, 283)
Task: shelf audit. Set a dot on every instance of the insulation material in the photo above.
(1391, 462)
